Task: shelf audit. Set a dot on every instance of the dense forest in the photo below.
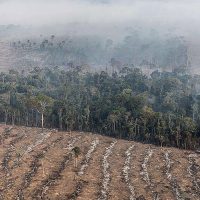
(162, 109)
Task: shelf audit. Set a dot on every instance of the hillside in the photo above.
(142, 48)
(36, 165)
(13, 58)
(6, 56)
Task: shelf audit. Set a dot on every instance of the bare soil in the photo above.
(36, 165)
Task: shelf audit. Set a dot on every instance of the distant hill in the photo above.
(7, 58)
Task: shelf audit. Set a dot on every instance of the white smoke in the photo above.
(149, 12)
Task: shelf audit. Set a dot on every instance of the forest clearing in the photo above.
(41, 165)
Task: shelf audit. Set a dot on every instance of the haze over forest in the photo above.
(102, 20)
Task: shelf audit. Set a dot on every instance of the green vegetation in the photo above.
(162, 109)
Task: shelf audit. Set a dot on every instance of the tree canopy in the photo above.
(162, 109)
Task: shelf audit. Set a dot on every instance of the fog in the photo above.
(177, 15)
(109, 17)
(149, 12)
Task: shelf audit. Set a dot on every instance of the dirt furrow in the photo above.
(193, 169)
(23, 166)
(117, 187)
(92, 176)
(142, 191)
(7, 139)
(146, 176)
(34, 166)
(159, 183)
(104, 192)
(41, 191)
(126, 173)
(70, 174)
(6, 174)
(80, 184)
(53, 156)
(88, 157)
(21, 146)
(180, 172)
(171, 177)
(197, 162)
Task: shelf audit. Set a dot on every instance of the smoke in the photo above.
(107, 16)
(168, 13)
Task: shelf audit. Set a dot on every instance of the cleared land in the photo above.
(36, 165)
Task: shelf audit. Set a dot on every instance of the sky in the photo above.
(151, 12)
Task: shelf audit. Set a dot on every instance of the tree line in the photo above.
(162, 109)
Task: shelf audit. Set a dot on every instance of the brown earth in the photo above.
(36, 165)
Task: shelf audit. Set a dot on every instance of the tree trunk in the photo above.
(60, 119)
(177, 139)
(19, 118)
(32, 113)
(27, 118)
(161, 143)
(13, 119)
(36, 119)
(6, 117)
(42, 121)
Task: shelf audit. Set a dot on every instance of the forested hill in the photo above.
(162, 109)
(141, 48)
